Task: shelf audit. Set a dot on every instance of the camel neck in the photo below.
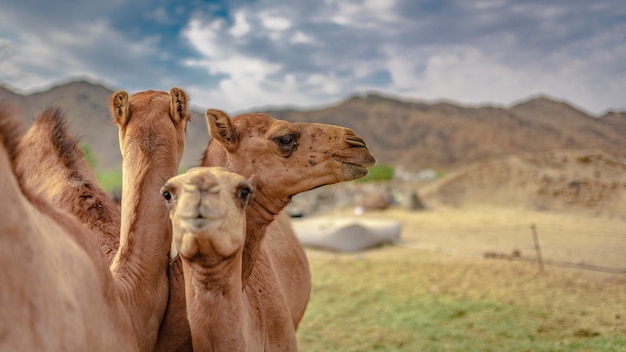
(215, 304)
(140, 265)
(260, 214)
(145, 229)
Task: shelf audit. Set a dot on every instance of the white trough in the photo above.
(345, 234)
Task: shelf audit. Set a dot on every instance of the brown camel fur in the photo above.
(56, 169)
(152, 137)
(286, 159)
(207, 210)
(70, 185)
(57, 291)
(285, 255)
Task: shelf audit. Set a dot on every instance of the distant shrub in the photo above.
(90, 157)
(110, 180)
(378, 173)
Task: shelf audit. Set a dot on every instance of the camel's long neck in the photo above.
(215, 305)
(140, 266)
(259, 215)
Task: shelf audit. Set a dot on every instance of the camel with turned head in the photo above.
(285, 159)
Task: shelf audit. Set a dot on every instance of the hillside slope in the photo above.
(415, 135)
(86, 107)
(444, 135)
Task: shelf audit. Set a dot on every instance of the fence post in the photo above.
(537, 247)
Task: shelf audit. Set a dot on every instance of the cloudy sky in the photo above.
(239, 55)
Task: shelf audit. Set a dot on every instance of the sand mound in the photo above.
(588, 181)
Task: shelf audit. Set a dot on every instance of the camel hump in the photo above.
(11, 131)
(51, 123)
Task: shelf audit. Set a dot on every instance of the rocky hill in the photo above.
(443, 135)
(586, 181)
(414, 135)
(86, 107)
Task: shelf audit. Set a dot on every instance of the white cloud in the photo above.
(302, 38)
(241, 27)
(204, 36)
(363, 13)
(484, 51)
(42, 58)
(273, 22)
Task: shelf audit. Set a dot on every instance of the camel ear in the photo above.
(221, 129)
(178, 105)
(253, 180)
(119, 108)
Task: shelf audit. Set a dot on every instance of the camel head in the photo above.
(287, 158)
(207, 211)
(139, 118)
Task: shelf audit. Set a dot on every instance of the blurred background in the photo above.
(486, 117)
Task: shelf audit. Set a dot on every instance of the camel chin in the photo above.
(351, 171)
(202, 236)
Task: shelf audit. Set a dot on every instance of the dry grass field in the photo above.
(435, 291)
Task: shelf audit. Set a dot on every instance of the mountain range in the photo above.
(411, 134)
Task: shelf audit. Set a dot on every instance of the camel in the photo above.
(207, 211)
(152, 138)
(285, 159)
(55, 168)
(151, 126)
(283, 255)
(57, 291)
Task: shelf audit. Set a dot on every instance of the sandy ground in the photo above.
(566, 239)
(575, 199)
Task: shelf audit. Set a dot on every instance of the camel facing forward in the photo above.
(152, 139)
(309, 155)
(151, 128)
(285, 159)
(207, 210)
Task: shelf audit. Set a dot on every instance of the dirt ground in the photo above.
(565, 239)
(575, 199)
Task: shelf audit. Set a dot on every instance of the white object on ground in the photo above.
(345, 234)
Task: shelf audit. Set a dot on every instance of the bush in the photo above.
(90, 157)
(378, 173)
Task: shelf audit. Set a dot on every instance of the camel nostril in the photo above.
(355, 141)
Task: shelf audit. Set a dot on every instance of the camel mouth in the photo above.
(358, 165)
(362, 159)
(365, 163)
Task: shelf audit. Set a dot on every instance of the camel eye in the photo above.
(287, 144)
(244, 193)
(285, 140)
(167, 195)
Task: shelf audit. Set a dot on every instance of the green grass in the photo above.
(378, 173)
(110, 180)
(407, 304)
